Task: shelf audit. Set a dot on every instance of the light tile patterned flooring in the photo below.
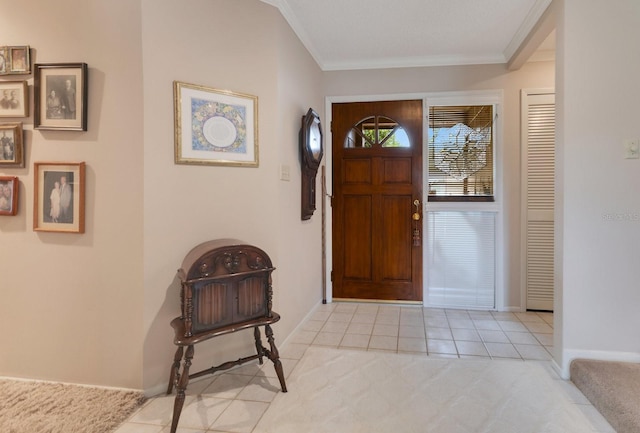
(234, 401)
(435, 332)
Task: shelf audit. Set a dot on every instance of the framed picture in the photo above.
(60, 96)
(5, 62)
(15, 60)
(215, 127)
(8, 195)
(14, 99)
(11, 145)
(58, 197)
(20, 62)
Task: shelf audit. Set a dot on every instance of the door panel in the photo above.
(397, 171)
(357, 246)
(538, 196)
(395, 225)
(377, 160)
(356, 171)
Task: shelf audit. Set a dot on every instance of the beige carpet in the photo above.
(363, 392)
(42, 407)
(613, 388)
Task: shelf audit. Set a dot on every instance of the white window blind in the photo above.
(461, 259)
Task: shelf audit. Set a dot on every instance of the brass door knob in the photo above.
(416, 214)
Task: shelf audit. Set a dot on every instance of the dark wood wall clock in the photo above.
(311, 152)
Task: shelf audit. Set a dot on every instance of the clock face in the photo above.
(315, 139)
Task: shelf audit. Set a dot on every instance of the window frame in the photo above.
(482, 97)
(494, 144)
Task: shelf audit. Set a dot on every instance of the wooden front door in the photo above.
(377, 178)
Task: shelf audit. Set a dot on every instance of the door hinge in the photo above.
(331, 276)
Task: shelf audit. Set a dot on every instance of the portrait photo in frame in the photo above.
(14, 99)
(5, 62)
(60, 96)
(19, 60)
(15, 60)
(58, 197)
(9, 195)
(11, 145)
(215, 127)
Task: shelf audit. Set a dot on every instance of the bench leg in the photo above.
(259, 348)
(274, 356)
(181, 388)
(174, 375)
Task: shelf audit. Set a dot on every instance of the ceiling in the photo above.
(365, 34)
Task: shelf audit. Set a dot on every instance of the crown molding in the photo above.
(532, 19)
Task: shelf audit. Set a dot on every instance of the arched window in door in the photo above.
(377, 131)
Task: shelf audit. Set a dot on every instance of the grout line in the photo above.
(424, 311)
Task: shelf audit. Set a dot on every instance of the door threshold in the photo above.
(377, 301)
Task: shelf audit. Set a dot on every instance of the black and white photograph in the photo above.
(59, 197)
(4, 61)
(61, 96)
(59, 207)
(8, 195)
(14, 101)
(11, 145)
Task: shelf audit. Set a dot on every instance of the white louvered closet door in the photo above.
(538, 197)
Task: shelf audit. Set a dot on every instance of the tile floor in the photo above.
(235, 400)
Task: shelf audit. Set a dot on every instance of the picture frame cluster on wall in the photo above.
(60, 103)
(14, 103)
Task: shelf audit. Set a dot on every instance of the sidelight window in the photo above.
(461, 153)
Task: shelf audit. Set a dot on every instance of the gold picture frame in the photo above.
(14, 99)
(9, 190)
(15, 60)
(11, 145)
(20, 60)
(59, 190)
(215, 127)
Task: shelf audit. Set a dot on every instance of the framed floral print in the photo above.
(215, 127)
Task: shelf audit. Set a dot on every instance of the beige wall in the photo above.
(244, 47)
(95, 308)
(467, 78)
(71, 304)
(598, 206)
